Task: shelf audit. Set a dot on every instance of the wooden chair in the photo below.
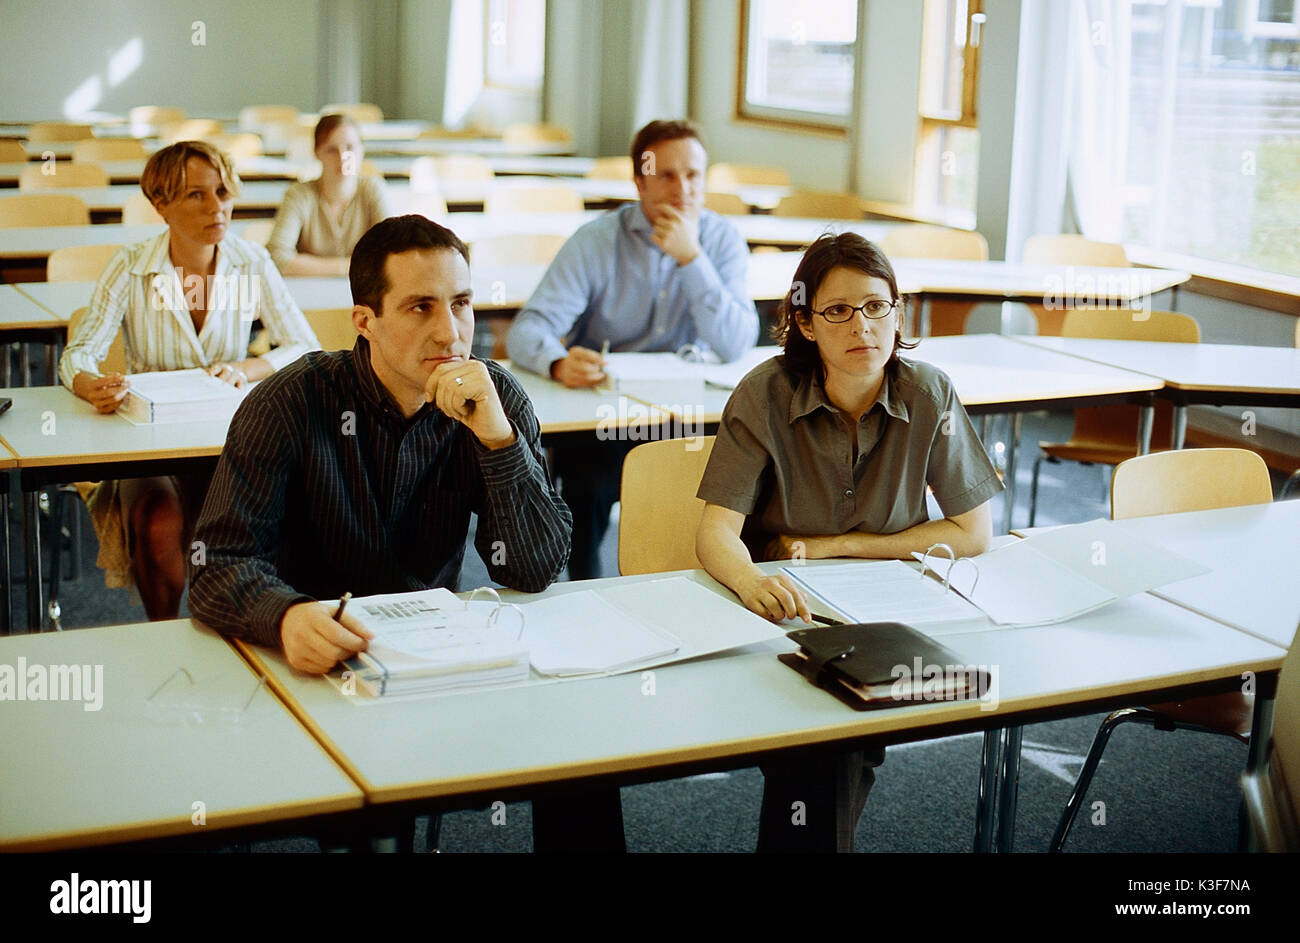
(55, 131)
(1067, 250)
(67, 173)
(728, 204)
(1107, 435)
(333, 327)
(191, 129)
(921, 241)
(547, 199)
(524, 134)
(43, 209)
(1186, 480)
(822, 204)
(241, 144)
(1272, 792)
(253, 117)
(360, 112)
(258, 231)
(79, 263)
(138, 211)
(733, 176)
(153, 117)
(427, 172)
(98, 149)
(12, 152)
(440, 133)
(611, 168)
(515, 249)
(659, 512)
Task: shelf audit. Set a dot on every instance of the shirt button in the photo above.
(663, 294)
(659, 330)
(849, 493)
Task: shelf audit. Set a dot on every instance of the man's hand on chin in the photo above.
(463, 389)
(677, 234)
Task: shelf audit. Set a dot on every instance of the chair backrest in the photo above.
(360, 112)
(1118, 324)
(43, 209)
(822, 204)
(258, 231)
(333, 327)
(191, 129)
(242, 144)
(524, 199)
(528, 133)
(67, 173)
(427, 172)
(515, 249)
(430, 205)
(608, 168)
(137, 211)
(115, 360)
(12, 152)
(732, 176)
(154, 116)
(438, 132)
(1073, 250)
(253, 117)
(51, 131)
(922, 241)
(1188, 480)
(94, 149)
(79, 263)
(1297, 332)
(728, 204)
(659, 511)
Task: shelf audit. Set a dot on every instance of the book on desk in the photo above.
(178, 396)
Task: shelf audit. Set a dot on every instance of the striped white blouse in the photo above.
(141, 293)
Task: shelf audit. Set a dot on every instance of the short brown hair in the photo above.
(366, 271)
(163, 179)
(331, 123)
(657, 132)
(846, 249)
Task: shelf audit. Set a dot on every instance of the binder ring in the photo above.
(954, 561)
(496, 613)
(975, 566)
(952, 557)
(690, 353)
(484, 589)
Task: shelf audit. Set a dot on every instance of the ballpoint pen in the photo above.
(343, 604)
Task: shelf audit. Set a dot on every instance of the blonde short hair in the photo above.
(163, 179)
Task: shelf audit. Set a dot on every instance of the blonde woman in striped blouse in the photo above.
(185, 298)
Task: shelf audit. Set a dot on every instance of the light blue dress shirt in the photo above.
(610, 282)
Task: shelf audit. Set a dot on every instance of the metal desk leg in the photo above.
(1010, 480)
(32, 549)
(1261, 728)
(1146, 417)
(1009, 788)
(1180, 425)
(7, 600)
(26, 361)
(986, 803)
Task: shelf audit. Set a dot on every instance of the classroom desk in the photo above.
(22, 319)
(1221, 374)
(990, 373)
(256, 197)
(743, 707)
(1252, 553)
(135, 769)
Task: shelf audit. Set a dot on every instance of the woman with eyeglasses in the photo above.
(827, 451)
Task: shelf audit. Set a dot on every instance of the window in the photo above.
(797, 61)
(514, 34)
(947, 154)
(1214, 131)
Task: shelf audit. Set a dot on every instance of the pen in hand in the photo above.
(343, 604)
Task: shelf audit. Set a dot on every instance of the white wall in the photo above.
(134, 52)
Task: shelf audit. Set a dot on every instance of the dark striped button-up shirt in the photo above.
(324, 487)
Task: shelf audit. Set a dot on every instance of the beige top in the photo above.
(304, 225)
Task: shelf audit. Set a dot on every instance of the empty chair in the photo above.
(438, 132)
(191, 129)
(428, 172)
(1108, 434)
(1272, 792)
(79, 263)
(94, 149)
(333, 327)
(259, 231)
(253, 117)
(358, 111)
(54, 131)
(822, 204)
(43, 209)
(1187, 480)
(12, 152)
(515, 249)
(526, 133)
(726, 203)
(611, 168)
(733, 176)
(147, 119)
(659, 512)
(551, 199)
(241, 144)
(64, 173)
(138, 211)
(921, 241)
(1067, 250)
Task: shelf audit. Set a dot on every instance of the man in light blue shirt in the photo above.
(653, 276)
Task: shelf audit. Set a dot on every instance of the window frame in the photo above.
(932, 124)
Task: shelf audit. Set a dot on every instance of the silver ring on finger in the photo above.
(459, 381)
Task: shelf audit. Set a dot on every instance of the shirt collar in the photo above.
(637, 221)
(810, 395)
(374, 391)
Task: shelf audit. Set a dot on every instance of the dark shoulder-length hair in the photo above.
(830, 251)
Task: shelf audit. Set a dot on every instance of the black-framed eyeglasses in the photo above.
(875, 309)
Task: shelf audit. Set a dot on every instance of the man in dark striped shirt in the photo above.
(357, 470)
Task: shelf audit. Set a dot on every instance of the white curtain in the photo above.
(661, 41)
(464, 61)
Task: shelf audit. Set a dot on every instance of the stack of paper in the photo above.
(178, 396)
